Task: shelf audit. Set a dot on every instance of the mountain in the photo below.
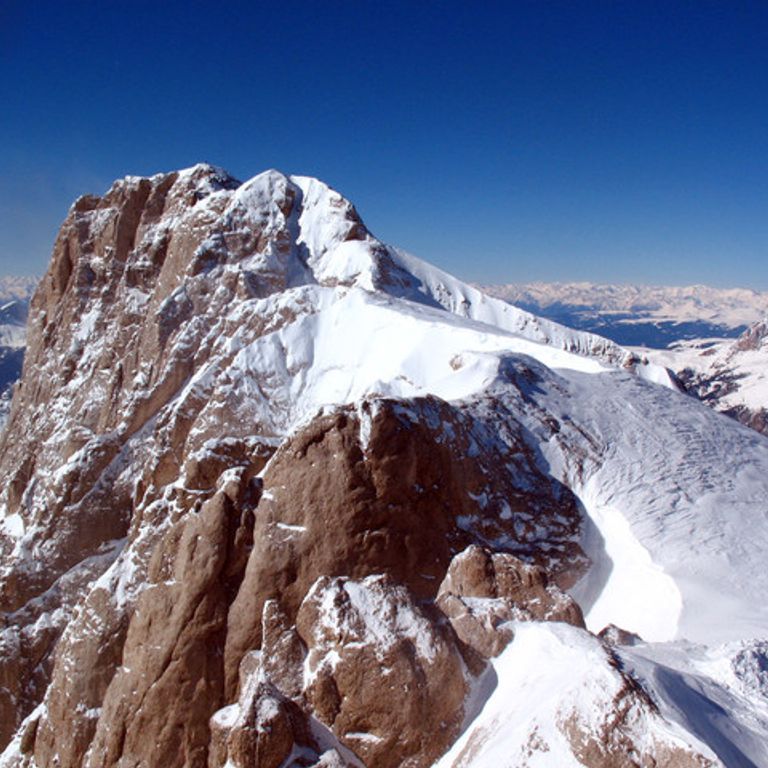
(279, 494)
(649, 316)
(13, 320)
(17, 288)
(730, 376)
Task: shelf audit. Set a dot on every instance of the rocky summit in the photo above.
(278, 494)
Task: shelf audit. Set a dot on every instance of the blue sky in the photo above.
(605, 141)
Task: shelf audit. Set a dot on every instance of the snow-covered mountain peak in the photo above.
(290, 231)
(255, 440)
(16, 288)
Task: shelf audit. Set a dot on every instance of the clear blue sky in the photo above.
(606, 141)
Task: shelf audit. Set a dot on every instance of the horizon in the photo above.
(479, 283)
(622, 146)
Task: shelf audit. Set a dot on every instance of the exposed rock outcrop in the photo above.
(402, 501)
(387, 679)
(483, 592)
(729, 376)
(264, 728)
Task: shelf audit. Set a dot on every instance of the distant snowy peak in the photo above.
(727, 306)
(13, 320)
(16, 288)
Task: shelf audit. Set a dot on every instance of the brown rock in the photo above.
(283, 652)
(264, 729)
(402, 502)
(384, 677)
(156, 706)
(613, 635)
(482, 591)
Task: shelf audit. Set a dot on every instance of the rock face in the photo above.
(385, 676)
(484, 592)
(268, 729)
(401, 504)
(732, 380)
(244, 523)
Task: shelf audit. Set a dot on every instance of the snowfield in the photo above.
(549, 675)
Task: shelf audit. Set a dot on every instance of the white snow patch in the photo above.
(292, 528)
(12, 525)
(362, 736)
(87, 324)
(549, 674)
(638, 596)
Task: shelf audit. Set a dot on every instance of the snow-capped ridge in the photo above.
(730, 375)
(330, 245)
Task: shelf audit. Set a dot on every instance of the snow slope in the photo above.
(550, 677)
(696, 685)
(672, 487)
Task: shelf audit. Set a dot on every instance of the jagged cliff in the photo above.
(278, 494)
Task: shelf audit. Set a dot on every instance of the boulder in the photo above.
(483, 592)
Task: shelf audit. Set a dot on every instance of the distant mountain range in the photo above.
(15, 293)
(17, 287)
(636, 315)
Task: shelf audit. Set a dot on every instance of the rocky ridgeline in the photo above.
(196, 574)
(730, 377)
